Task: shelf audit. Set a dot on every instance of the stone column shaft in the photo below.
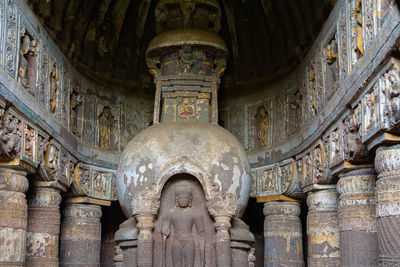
(145, 226)
(323, 229)
(43, 227)
(283, 235)
(357, 218)
(387, 164)
(80, 239)
(13, 217)
(223, 241)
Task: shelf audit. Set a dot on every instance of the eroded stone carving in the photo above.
(11, 136)
(331, 67)
(106, 129)
(76, 111)
(262, 121)
(53, 88)
(27, 67)
(357, 40)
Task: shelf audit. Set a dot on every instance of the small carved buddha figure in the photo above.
(177, 227)
(262, 125)
(105, 128)
(331, 56)
(53, 88)
(358, 31)
(23, 61)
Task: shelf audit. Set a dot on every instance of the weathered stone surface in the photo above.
(43, 227)
(323, 229)
(357, 218)
(80, 238)
(13, 217)
(203, 150)
(283, 234)
(387, 164)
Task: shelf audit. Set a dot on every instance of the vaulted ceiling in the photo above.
(107, 39)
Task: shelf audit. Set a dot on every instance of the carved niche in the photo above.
(28, 62)
(53, 80)
(106, 128)
(331, 66)
(76, 110)
(356, 31)
(184, 232)
(295, 106)
(30, 143)
(263, 121)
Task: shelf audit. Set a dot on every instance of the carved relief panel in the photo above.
(315, 92)
(330, 57)
(237, 123)
(356, 30)
(90, 119)
(94, 182)
(335, 146)
(135, 118)
(380, 103)
(277, 179)
(12, 39)
(28, 55)
(11, 134)
(57, 163)
(30, 144)
(295, 110)
(342, 34)
(262, 124)
(267, 182)
(108, 128)
(279, 113)
(76, 109)
(43, 95)
(369, 22)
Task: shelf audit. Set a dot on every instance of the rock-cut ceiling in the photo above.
(107, 39)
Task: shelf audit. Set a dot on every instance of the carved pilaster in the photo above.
(387, 164)
(323, 229)
(43, 225)
(357, 218)
(145, 226)
(80, 238)
(283, 235)
(222, 207)
(13, 217)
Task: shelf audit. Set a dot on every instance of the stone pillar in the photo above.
(387, 164)
(357, 218)
(145, 226)
(223, 241)
(323, 229)
(43, 226)
(80, 239)
(282, 233)
(13, 217)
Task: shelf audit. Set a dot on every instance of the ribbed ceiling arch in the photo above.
(107, 39)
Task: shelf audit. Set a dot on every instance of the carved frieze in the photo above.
(94, 182)
(342, 43)
(12, 37)
(10, 134)
(370, 22)
(277, 179)
(381, 102)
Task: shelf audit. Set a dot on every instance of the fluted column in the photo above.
(283, 235)
(43, 226)
(80, 238)
(387, 164)
(145, 226)
(323, 229)
(357, 218)
(13, 217)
